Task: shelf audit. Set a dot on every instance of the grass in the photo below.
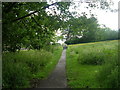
(94, 65)
(49, 67)
(21, 67)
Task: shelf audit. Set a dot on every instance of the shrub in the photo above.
(91, 58)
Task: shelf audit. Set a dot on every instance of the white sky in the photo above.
(110, 19)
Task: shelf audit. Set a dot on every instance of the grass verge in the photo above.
(21, 67)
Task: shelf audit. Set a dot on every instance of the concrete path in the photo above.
(57, 79)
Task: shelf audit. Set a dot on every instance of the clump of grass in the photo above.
(77, 52)
(93, 57)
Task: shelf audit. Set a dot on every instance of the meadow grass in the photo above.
(93, 65)
(21, 67)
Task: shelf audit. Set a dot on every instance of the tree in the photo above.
(106, 34)
(83, 27)
(28, 24)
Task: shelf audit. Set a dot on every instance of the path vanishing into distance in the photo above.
(57, 78)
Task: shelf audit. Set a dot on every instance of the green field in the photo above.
(93, 65)
(20, 68)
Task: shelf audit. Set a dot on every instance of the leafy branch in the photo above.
(33, 12)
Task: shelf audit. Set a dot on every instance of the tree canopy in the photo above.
(30, 25)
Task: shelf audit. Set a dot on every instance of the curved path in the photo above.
(57, 79)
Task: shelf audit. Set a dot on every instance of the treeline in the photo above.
(101, 34)
(88, 30)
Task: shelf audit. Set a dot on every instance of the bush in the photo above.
(91, 58)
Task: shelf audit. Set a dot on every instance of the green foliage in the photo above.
(108, 77)
(78, 75)
(91, 73)
(82, 26)
(83, 29)
(19, 68)
(15, 75)
(91, 57)
(35, 31)
(37, 59)
(45, 71)
(108, 74)
(23, 29)
(106, 34)
(32, 25)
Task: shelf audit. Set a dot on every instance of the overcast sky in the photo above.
(110, 19)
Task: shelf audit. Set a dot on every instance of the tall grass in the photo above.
(20, 67)
(92, 57)
(96, 65)
(107, 76)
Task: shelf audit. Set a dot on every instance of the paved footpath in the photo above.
(57, 79)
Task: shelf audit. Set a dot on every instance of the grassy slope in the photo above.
(84, 75)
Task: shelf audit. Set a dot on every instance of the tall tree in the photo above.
(28, 24)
